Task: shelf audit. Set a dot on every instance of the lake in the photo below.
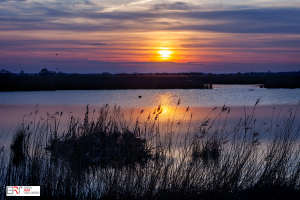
(14, 106)
(238, 150)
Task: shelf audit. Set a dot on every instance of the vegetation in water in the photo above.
(110, 158)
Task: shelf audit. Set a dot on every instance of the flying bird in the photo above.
(57, 54)
(140, 96)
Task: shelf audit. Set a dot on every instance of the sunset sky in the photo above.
(150, 35)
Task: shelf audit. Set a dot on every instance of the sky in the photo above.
(129, 36)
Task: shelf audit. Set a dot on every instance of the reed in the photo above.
(111, 158)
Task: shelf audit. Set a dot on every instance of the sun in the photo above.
(165, 53)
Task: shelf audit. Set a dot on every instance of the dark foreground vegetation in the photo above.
(49, 80)
(110, 158)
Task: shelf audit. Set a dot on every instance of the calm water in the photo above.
(14, 105)
(231, 95)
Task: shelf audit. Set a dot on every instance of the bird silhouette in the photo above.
(140, 96)
(57, 54)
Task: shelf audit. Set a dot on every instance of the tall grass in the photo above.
(110, 158)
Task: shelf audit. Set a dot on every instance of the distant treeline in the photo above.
(93, 82)
(45, 71)
(267, 81)
(49, 80)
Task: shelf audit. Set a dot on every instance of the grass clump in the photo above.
(19, 147)
(99, 144)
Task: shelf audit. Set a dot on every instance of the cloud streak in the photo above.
(261, 20)
(95, 44)
(173, 6)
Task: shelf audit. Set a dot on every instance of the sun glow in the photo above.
(165, 53)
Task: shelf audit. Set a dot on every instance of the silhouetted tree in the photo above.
(45, 72)
(3, 71)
